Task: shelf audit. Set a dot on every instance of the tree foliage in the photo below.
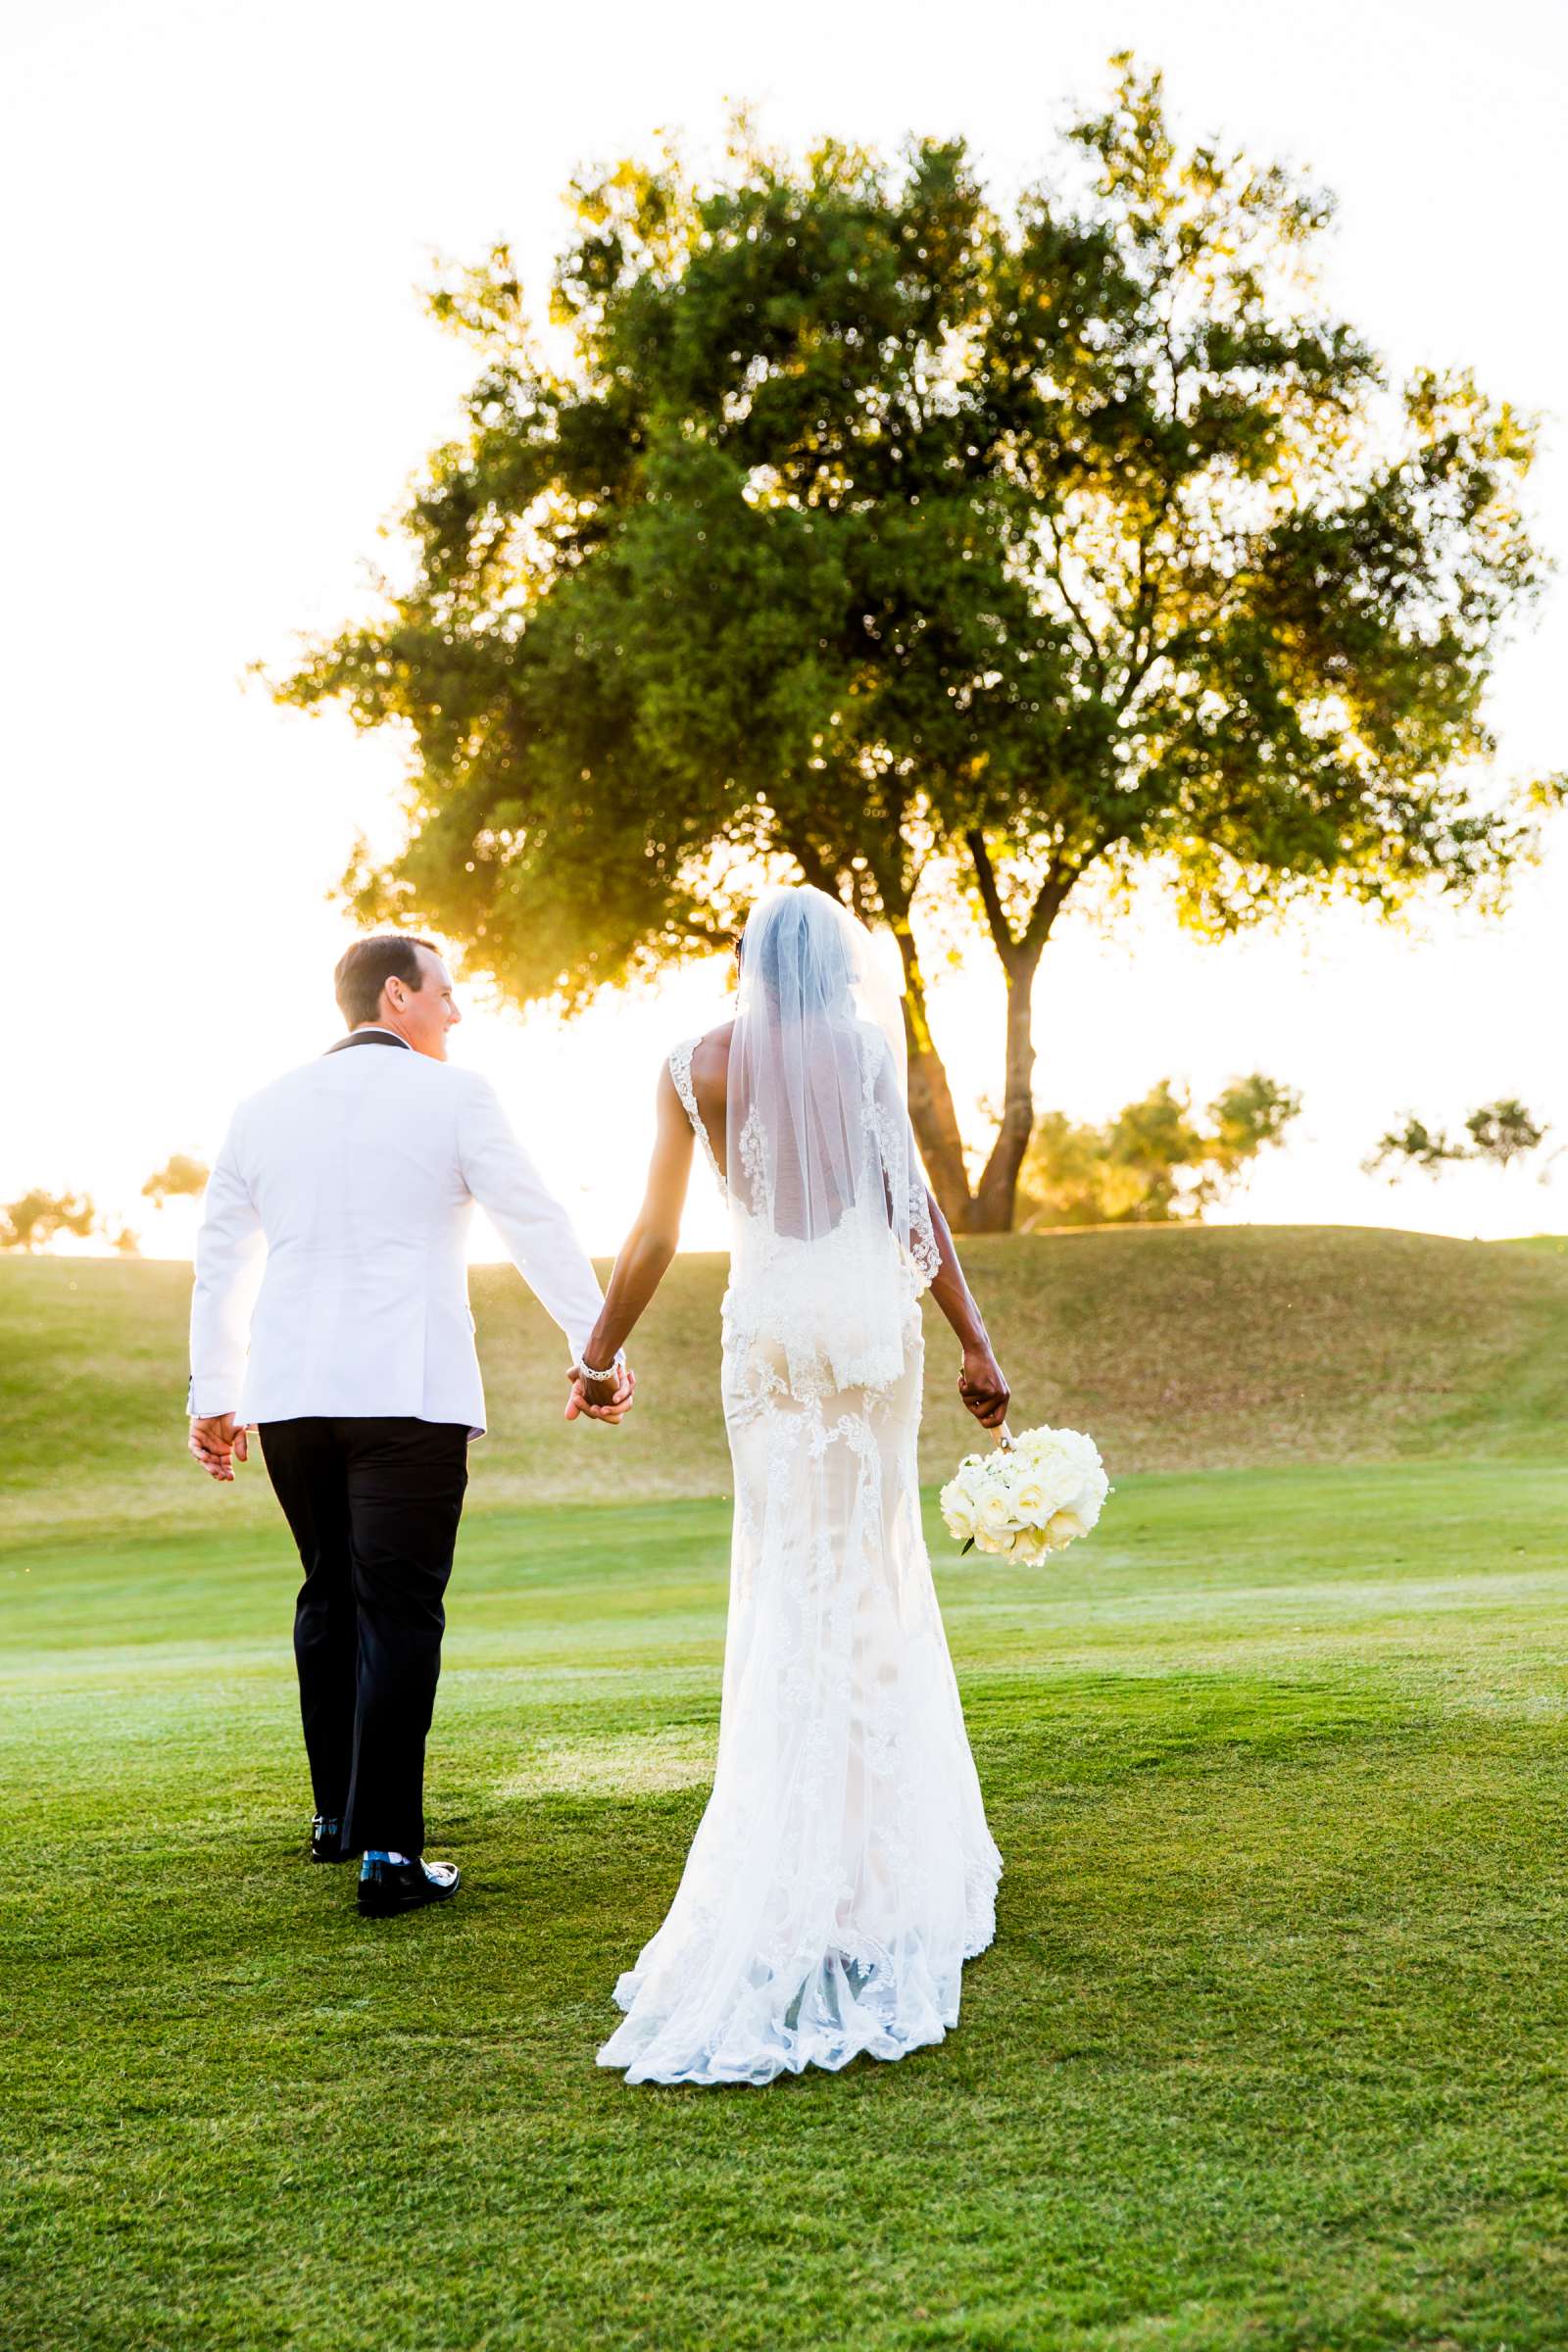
(1155, 1161)
(182, 1177)
(37, 1216)
(859, 523)
(1498, 1134)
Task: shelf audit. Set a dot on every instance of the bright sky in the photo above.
(216, 218)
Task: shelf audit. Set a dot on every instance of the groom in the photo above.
(332, 1240)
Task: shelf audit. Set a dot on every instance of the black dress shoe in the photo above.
(326, 1840)
(388, 1888)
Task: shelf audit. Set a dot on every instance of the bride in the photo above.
(843, 1870)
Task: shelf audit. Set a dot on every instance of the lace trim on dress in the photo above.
(911, 1216)
(680, 1069)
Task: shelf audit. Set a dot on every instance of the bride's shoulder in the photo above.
(699, 1063)
(707, 1048)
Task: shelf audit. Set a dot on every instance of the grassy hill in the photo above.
(1231, 1347)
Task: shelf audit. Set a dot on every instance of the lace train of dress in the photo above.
(843, 1870)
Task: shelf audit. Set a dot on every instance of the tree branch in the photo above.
(1049, 898)
(985, 875)
(1047, 904)
(1146, 652)
(1091, 641)
(813, 862)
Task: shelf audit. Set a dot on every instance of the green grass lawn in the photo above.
(1271, 2052)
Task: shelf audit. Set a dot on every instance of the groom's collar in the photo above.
(370, 1037)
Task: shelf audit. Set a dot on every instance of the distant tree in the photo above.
(34, 1219)
(1416, 1144)
(864, 528)
(1499, 1133)
(127, 1241)
(1155, 1161)
(1503, 1132)
(182, 1177)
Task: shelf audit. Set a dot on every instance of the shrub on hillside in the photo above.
(1156, 1160)
(1499, 1133)
(27, 1223)
(184, 1177)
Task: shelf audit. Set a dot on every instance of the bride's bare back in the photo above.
(650, 1246)
(709, 1082)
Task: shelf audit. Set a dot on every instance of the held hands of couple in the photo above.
(218, 1443)
(601, 1400)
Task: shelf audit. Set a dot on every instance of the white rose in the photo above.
(957, 1512)
(1030, 1502)
(995, 1515)
(1064, 1526)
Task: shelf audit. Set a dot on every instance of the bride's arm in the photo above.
(646, 1253)
(981, 1382)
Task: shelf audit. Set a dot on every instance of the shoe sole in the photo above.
(384, 1910)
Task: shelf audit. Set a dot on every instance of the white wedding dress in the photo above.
(843, 1870)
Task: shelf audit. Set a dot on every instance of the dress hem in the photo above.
(818, 2049)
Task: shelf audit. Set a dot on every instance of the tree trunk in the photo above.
(931, 1111)
(992, 1208)
(988, 1206)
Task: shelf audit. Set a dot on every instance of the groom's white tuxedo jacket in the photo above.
(333, 1242)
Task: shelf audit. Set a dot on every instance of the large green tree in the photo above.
(848, 522)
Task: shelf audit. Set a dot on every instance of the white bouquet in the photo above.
(1030, 1497)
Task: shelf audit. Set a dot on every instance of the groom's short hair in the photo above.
(365, 969)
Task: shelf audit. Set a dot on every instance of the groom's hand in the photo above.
(601, 1400)
(218, 1444)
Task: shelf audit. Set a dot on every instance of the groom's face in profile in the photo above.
(423, 1014)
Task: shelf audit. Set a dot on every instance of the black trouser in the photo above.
(374, 1507)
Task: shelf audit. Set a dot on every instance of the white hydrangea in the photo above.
(1027, 1499)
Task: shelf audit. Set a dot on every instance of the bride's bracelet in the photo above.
(587, 1372)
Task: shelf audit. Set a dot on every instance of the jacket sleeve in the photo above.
(537, 1232)
(231, 1253)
